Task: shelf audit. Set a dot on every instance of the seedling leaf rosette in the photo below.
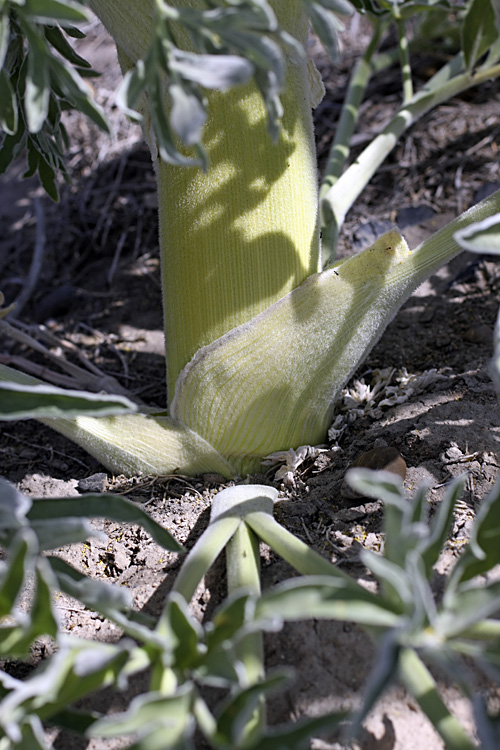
(457, 632)
(259, 339)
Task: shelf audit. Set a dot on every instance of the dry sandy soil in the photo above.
(99, 288)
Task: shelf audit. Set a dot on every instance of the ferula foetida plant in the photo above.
(259, 338)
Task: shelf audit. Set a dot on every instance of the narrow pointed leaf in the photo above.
(382, 675)
(379, 485)
(483, 551)
(297, 736)
(211, 71)
(182, 633)
(327, 26)
(78, 92)
(13, 506)
(478, 30)
(488, 727)
(481, 237)
(63, 11)
(4, 36)
(111, 601)
(37, 95)
(52, 534)
(57, 39)
(113, 507)
(8, 105)
(240, 707)
(324, 597)
(129, 444)
(35, 401)
(187, 115)
(12, 574)
(469, 605)
(148, 712)
(440, 524)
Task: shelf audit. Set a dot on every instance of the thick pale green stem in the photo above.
(243, 571)
(341, 196)
(404, 53)
(350, 110)
(241, 236)
(343, 134)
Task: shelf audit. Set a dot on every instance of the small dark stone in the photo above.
(485, 191)
(94, 483)
(481, 334)
(56, 303)
(368, 231)
(386, 458)
(411, 215)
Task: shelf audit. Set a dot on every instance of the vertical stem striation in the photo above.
(238, 238)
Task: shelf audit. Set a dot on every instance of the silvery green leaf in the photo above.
(62, 11)
(381, 676)
(111, 601)
(187, 115)
(440, 524)
(53, 533)
(48, 178)
(57, 39)
(92, 660)
(228, 619)
(12, 573)
(469, 604)
(379, 485)
(327, 26)
(113, 507)
(266, 54)
(4, 37)
(8, 106)
(52, 687)
(150, 712)
(211, 71)
(238, 708)
(488, 727)
(131, 89)
(392, 577)
(94, 593)
(36, 401)
(424, 609)
(297, 735)
(479, 30)
(78, 92)
(324, 597)
(37, 94)
(43, 619)
(13, 506)
(483, 551)
(342, 7)
(32, 735)
(482, 236)
(166, 147)
(181, 631)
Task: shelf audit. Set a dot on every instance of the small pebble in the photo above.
(94, 483)
(56, 303)
(386, 458)
(479, 335)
